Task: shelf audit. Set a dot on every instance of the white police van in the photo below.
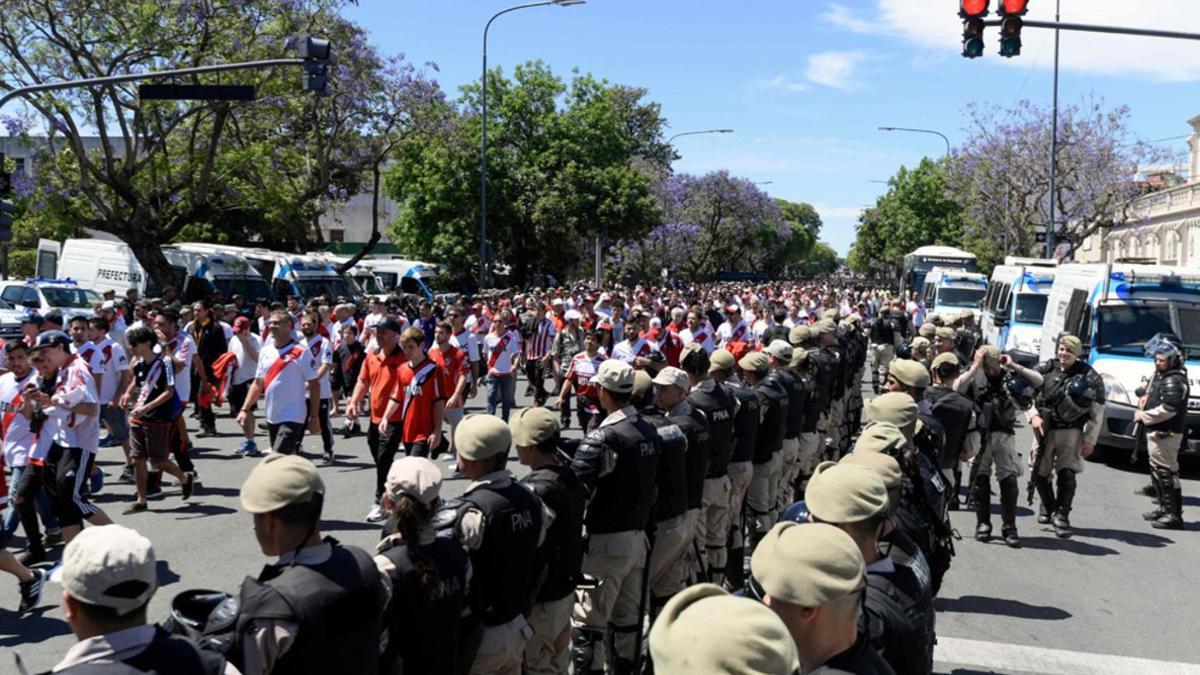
(947, 292)
(44, 295)
(1015, 306)
(1114, 309)
(289, 274)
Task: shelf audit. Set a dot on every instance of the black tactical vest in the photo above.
(718, 405)
(337, 607)
(822, 365)
(797, 402)
(562, 551)
(165, 655)
(671, 475)
(1051, 400)
(841, 364)
(622, 499)
(695, 427)
(503, 567)
(953, 410)
(773, 407)
(1170, 389)
(812, 403)
(930, 439)
(745, 423)
(423, 632)
(896, 624)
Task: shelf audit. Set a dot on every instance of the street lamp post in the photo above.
(697, 133)
(483, 128)
(921, 131)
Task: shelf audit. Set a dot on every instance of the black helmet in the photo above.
(207, 617)
(904, 350)
(1022, 392)
(1081, 392)
(1168, 344)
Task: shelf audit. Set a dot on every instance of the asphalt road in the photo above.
(1118, 597)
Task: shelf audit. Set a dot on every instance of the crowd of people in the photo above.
(733, 504)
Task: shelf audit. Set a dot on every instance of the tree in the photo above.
(917, 210)
(1001, 174)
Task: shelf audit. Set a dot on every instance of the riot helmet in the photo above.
(1169, 345)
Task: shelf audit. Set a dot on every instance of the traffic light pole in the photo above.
(1051, 230)
(1092, 28)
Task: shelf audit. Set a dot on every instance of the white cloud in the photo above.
(936, 26)
(834, 69)
(838, 212)
(784, 83)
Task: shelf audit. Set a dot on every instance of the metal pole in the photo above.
(1053, 145)
(921, 131)
(1114, 30)
(599, 264)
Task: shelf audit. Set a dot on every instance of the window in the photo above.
(1031, 307)
(337, 236)
(12, 294)
(20, 165)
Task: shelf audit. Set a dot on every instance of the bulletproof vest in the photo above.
(745, 423)
(337, 607)
(930, 439)
(623, 497)
(423, 631)
(502, 568)
(1171, 390)
(953, 410)
(671, 475)
(920, 516)
(965, 342)
(996, 408)
(822, 365)
(773, 402)
(562, 551)
(895, 624)
(718, 405)
(695, 427)
(858, 345)
(165, 655)
(837, 352)
(1053, 403)
(882, 331)
(812, 403)
(797, 402)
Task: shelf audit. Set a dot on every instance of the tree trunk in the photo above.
(375, 236)
(149, 254)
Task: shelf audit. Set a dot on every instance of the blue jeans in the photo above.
(11, 518)
(502, 391)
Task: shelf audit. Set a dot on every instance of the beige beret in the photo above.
(1072, 343)
(279, 480)
(945, 333)
(824, 327)
(895, 407)
(614, 375)
(927, 330)
(830, 314)
(799, 334)
(482, 436)
(704, 630)
(533, 426)
(844, 493)
(884, 466)
(966, 314)
(909, 373)
(689, 350)
(920, 343)
(881, 437)
(943, 358)
(756, 361)
(642, 384)
(416, 477)
(673, 377)
(809, 565)
(799, 358)
(991, 355)
(780, 349)
(721, 359)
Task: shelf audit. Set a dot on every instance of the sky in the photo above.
(805, 84)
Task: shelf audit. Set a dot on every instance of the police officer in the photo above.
(501, 524)
(535, 434)
(968, 337)
(956, 413)
(617, 463)
(1066, 422)
(284, 624)
(822, 366)
(429, 574)
(1163, 414)
(109, 574)
(719, 406)
(999, 397)
(773, 399)
(741, 467)
(883, 346)
(813, 575)
(855, 499)
(671, 387)
(944, 340)
(912, 378)
(779, 358)
(809, 453)
(831, 345)
(857, 346)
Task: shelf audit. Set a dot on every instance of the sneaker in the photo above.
(1010, 537)
(252, 452)
(136, 507)
(376, 514)
(188, 487)
(96, 482)
(31, 591)
(244, 446)
(127, 475)
(52, 538)
(153, 487)
(33, 557)
(1062, 526)
(109, 442)
(328, 459)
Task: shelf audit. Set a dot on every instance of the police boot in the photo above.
(735, 577)
(1171, 501)
(1009, 491)
(1066, 495)
(624, 667)
(1158, 497)
(583, 651)
(954, 496)
(1045, 490)
(983, 508)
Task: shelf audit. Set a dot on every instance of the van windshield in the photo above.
(1030, 308)
(70, 297)
(369, 284)
(251, 288)
(960, 297)
(1125, 329)
(331, 287)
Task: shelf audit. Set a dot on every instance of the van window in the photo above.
(47, 264)
(1030, 308)
(30, 297)
(13, 295)
(282, 289)
(1078, 320)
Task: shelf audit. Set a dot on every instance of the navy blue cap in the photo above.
(32, 317)
(52, 338)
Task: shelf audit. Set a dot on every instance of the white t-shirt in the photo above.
(74, 385)
(182, 347)
(284, 397)
(246, 368)
(500, 362)
(18, 439)
(703, 335)
(115, 363)
(468, 343)
(91, 356)
(727, 332)
(322, 350)
(624, 351)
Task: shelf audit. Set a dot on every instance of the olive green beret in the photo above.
(756, 361)
(1072, 343)
(909, 373)
(881, 437)
(991, 355)
(884, 466)
(780, 349)
(940, 359)
(280, 480)
(689, 350)
(945, 333)
(533, 426)
(704, 630)
(482, 436)
(927, 330)
(799, 358)
(844, 493)
(809, 565)
(614, 375)
(895, 407)
(721, 359)
(799, 334)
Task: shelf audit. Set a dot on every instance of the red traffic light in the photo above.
(1013, 7)
(972, 8)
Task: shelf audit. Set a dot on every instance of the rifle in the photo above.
(1038, 453)
(1139, 441)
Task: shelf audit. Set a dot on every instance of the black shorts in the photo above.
(237, 396)
(151, 440)
(285, 437)
(66, 472)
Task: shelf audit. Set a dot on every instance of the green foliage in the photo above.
(822, 259)
(21, 262)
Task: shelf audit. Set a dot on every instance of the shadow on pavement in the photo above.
(346, 525)
(192, 511)
(977, 604)
(166, 576)
(1069, 545)
(1145, 539)
(31, 628)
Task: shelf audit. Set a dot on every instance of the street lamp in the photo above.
(921, 131)
(696, 133)
(483, 128)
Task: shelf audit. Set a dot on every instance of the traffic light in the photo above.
(1010, 12)
(315, 52)
(972, 13)
(7, 209)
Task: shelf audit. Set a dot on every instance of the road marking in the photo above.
(1007, 658)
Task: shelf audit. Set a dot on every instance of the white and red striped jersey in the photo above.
(643, 346)
(90, 354)
(703, 336)
(538, 344)
(18, 438)
(739, 332)
(581, 371)
(74, 385)
(501, 351)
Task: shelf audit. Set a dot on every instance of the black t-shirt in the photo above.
(162, 377)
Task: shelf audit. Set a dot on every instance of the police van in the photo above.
(407, 276)
(1114, 309)
(1015, 306)
(110, 265)
(947, 292)
(289, 274)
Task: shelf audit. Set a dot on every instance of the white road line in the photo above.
(1005, 658)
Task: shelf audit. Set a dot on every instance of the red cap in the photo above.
(241, 324)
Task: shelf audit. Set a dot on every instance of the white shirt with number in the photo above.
(321, 350)
(115, 362)
(18, 439)
(284, 398)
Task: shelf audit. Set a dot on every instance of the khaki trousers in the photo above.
(610, 598)
(548, 651)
